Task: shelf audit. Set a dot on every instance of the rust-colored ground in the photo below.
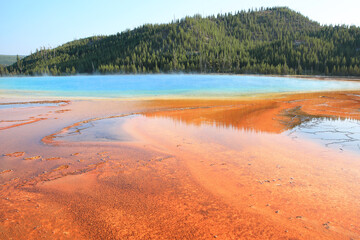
(196, 169)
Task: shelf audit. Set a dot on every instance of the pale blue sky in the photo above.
(29, 24)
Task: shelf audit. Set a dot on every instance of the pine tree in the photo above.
(18, 62)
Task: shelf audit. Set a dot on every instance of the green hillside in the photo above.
(267, 41)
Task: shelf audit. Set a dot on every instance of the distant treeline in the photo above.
(6, 60)
(266, 41)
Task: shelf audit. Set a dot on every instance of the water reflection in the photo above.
(268, 117)
(254, 117)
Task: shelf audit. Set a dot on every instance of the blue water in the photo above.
(127, 86)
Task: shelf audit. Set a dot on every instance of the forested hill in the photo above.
(267, 41)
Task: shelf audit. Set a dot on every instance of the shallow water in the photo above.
(28, 105)
(129, 86)
(104, 130)
(339, 134)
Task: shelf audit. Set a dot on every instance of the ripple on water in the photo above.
(102, 130)
(29, 104)
(339, 134)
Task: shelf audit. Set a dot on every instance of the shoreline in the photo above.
(245, 96)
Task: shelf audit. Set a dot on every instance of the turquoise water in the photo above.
(128, 86)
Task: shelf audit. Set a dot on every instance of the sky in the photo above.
(28, 25)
